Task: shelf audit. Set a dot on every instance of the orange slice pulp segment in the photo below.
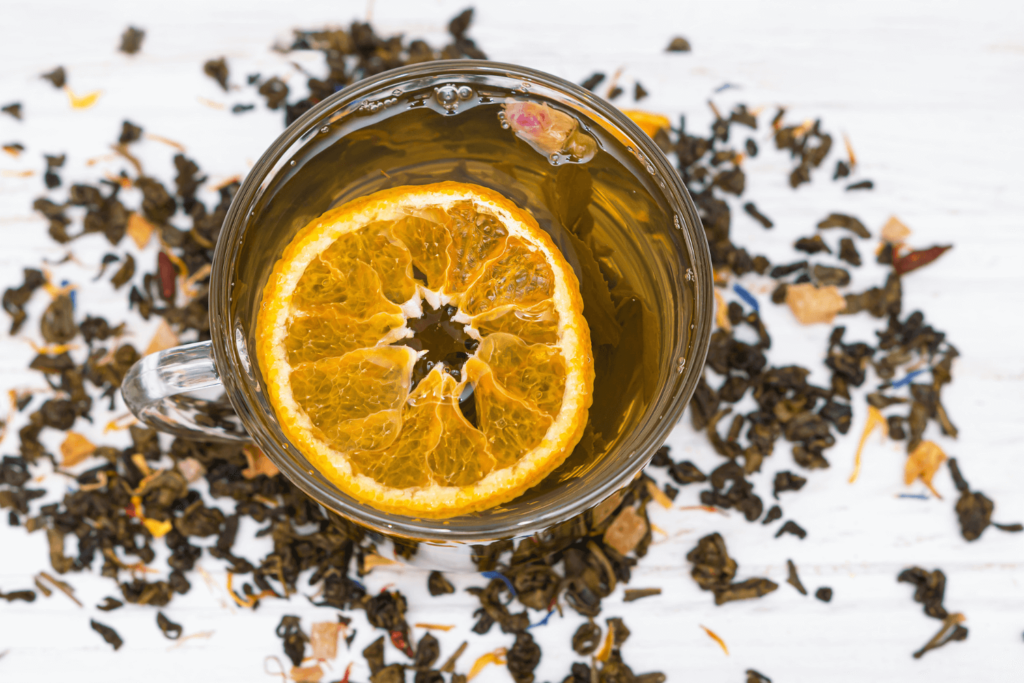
(425, 348)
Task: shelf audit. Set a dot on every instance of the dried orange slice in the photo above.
(425, 348)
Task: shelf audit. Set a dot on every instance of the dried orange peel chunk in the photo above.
(344, 292)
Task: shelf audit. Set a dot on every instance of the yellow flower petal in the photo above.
(84, 101)
(158, 529)
(139, 229)
(923, 463)
(495, 657)
(648, 122)
(715, 637)
(75, 449)
(874, 420)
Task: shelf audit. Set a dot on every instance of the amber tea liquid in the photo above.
(595, 211)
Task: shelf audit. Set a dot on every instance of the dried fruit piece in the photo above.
(626, 531)
(813, 304)
(323, 639)
(446, 418)
(894, 231)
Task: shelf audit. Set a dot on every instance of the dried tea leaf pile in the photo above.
(128, 502)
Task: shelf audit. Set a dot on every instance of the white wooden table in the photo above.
(931, 95)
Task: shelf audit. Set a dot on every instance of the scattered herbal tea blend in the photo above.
(124, 505)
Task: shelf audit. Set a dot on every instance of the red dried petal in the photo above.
(167, 273)
(917, 259)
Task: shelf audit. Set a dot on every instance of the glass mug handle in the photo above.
(154, 390)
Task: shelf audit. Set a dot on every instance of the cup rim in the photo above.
(234, 369)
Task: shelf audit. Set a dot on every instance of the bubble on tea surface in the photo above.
(448, 97)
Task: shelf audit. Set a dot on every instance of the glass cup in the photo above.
(263, 219)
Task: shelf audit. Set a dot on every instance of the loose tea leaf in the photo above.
(14, 109)
(427, 652)
(794, 578)
(129, 133)
(839, 220)
(930, 592)
(275, 91)
(714, 571)
(294, 638)
(374, 656)
(824, 594)
(678, 44)
(974, 509)
(124, 273)
(217, 69)
(632, 594)
(109, 634)
(15, 298)
(523, 657)
(460, 24)
(109, 604)
(131, 40)
(57, 77)
(58, 324)
(437, 584)
(848, 252)
(24, 596)
(828, 276)
(791, 527)
(56, 560)
(587, 638)
(812, 245)
(951, 631)
(170, 630)
(787, 481)
(449, 665)
(930, 589)
(749, 206)
(862, 185)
